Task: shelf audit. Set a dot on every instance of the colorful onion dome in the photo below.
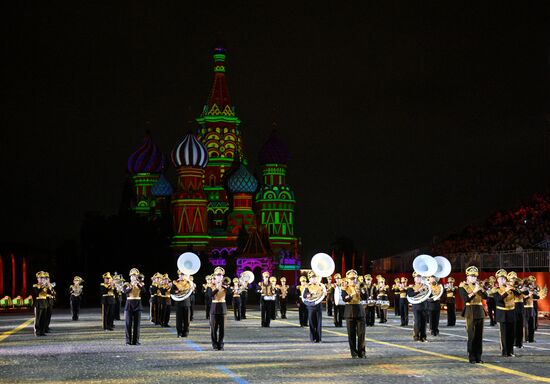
(242, 181)
(147, 159)
(274, 151)
(190, 152)
(162, 187)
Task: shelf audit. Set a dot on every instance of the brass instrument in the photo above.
(76, 290)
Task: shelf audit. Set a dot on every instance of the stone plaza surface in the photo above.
(80, 351)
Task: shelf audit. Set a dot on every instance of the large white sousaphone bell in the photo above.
(189, 264)
(323, 266)
(426, 265)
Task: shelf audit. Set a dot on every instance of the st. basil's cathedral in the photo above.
(217, 208)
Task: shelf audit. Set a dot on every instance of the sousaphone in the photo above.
(323, 266)
(189, 264)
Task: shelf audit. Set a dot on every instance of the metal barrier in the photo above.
(526, 261)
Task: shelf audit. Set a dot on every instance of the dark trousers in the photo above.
(217, 325)
(404, 311)
(507, 331)
(451, 314)
(244, 297)
(383, 315)
(356, 336)
(237, 308)
(39, 321)
(108, 315)
(302, 313)
(182, 319)
(49, 315)
(419, 324)
(474, 330)
(132, 316)
(491, 309)
(396, 305)
(191, 313)
(536, 310)
(208, 305)
(518, 330)
(75, 306)
(338, 315)
(377, 309)
(435, 313)
(267, 307)
(153, 310)
(164, 313)
(529, 327)
(315, 317)
(369, 310)
(330, 305)
(283, 303)
(273, 311)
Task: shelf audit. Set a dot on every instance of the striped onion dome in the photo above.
(242, 181)
(190, 152)
(147, 159)
(162, 187)
(274, 151)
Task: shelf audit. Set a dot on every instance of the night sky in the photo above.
(405, 120)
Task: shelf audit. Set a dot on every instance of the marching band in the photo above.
(355, 298)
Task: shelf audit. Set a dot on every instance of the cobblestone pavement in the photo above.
(80, 351)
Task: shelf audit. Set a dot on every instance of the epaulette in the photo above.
(36, 286)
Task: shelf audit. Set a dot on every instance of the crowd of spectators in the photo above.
(527, 227)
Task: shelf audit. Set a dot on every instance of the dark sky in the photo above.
(404, 120)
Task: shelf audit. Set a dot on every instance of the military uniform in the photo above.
(244, 298)
(236, 299)
(519, 309)
(75, 291)
(450, 301)
(419, 310)
(474, 314)
(40, 292)
(314, 311)
(339, 303)
(154, 300)
(505, 312)
(267, 300)
(207, 297)
(107, 290)
(395, 289)
(403, 303)
(283, 297)
(530, 299)
(354, 313)
(302, 309)
(182, 286)
(51, 300)
(434, 307)
(381, 298)
(133, 308)
(491, 307)
(165, 301)
(218, 311)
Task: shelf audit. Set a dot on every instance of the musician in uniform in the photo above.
(536, 300)
(312, 291)
(119, 282)
(283, 296)
(395, 289)
(51, 300)
(339, 303)
(236, 299)
(154, 300)
(472, 295)
(330, 297)
(382, 300)
(519, 308)
(266, 300)
(181, 288)
(354, 313)
(370, 300)
(207, 296)
(75, 291)
(434, 304)
(244, 297)
(531, 296)
(505, 305)
(419, 309)
(132, 310)
(403, 302)
(491, 307)
(450, 300)
(272, 308)
(165, 306)
(40, 292)
(107, 289)
(302, 310)
(218, 310)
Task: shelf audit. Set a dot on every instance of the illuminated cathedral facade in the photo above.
(216, 205)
